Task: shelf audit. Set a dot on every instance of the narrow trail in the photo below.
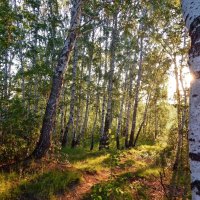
(89, 179)
(77, 192)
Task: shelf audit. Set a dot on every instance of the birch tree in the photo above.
(191, 14)
(136, 99)
(45, 135)
(72, 101)
(104, 140)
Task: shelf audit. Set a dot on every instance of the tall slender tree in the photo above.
(45, 135)
(136, 99)
(70, 122)
(104, 140)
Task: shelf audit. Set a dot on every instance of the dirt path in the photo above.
(153, 186)
(89, 180)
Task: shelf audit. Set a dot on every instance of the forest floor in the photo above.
(127, 174)
(98, 175)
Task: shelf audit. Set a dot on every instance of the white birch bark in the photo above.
(104, 81)
(104, 140)
(143, 120)
(136, 99)
(70, 122)
(96, 114)
(86, 117)
(45, 136)
(129, 103)
(191, 14)
(121, 113)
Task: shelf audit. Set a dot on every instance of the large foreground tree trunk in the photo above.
(191, 13)
(45, 135)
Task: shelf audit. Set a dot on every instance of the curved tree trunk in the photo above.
(191, 14)
(45, 135)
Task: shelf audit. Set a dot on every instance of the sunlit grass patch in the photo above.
(7, 181)
(151, 148)
(41, 186)
(49, 184)
(94, 163)
(149, 172)
(83, 159)
(80, 154)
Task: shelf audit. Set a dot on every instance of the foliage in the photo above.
(20, 128)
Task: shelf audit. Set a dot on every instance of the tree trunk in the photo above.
(156, 120)
(104, 83)
(79, 107)
(136, 99)
(129, 105)
(178, 111)
(45, 135)
(62, 111)
(104, 140)
(143, 120)
(121, 113)
(191, 13)
(72, 101)
(85, 121)
(95, 121)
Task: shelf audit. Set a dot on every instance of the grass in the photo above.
(82, 159)
(47, 183)
(40, 186)
(125, 186)
(6, 182)
(130, 185)
(114, 189)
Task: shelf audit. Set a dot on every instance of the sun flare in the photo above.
(186, 80)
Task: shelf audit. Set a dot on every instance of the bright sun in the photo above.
(187, 78)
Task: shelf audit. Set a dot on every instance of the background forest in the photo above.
(117, 119)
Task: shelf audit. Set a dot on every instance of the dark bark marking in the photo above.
(196, 184)
(195, 95)
(192, 140)
(187, 17)
(195, 37)
(195, 156)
